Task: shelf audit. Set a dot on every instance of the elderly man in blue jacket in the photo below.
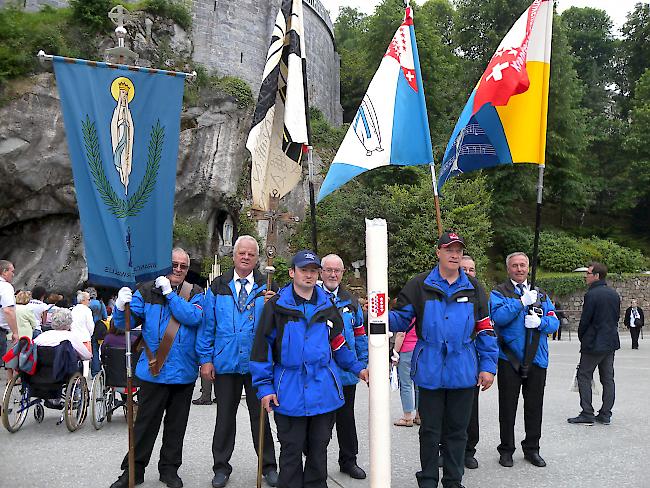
(455, 352)
(515, 309)
(233, 307)
(167, 381)
(297, 348)
(355, 335)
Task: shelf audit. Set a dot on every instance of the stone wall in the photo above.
(232, 38)
(637, 287)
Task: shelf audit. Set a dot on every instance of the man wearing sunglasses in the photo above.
(171, 311)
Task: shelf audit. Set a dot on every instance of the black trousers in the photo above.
(346, 429)
(472, 429)
(634, 333)
(588, 363)
(304, 434)
(154, 401)
(228, 388)
(532, 388)
(451, 408)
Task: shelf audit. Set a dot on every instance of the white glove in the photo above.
(532, 320)
(124, 296)
(394, 356)
(163, 283)
(529, 297)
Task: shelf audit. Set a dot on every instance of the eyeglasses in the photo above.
(181, 266)
(333, 271)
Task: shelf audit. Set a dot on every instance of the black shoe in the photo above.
(581, 419)
(354, 471)
(172, 480)
(471, 462)
(201, 401)
(535, 459)
(271, 477)
(602, 420)
(123, 480)
(220, 480)
(505, 460)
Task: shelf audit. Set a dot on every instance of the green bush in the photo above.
(93, 15)
(562, 285)
(170, 9)
(190, 231)
(618, 259)
(237, 88)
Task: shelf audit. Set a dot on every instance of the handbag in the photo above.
(394, 380)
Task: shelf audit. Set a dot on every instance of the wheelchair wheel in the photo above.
(15, 404)
(39, 412)
(110, 404)
(76, 402)
(98, 400)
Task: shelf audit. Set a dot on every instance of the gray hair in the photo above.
(514, 255)
(61, 319)
(243, 238)
(467, 257)
(5, 265)
(82, 295)
(332, 256)
(92, 292)
(180, 249)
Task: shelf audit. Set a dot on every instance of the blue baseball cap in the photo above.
(305, 258)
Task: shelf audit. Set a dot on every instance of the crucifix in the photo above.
(119, 15)
(273, 216)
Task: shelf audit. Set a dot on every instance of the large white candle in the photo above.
(379, 405)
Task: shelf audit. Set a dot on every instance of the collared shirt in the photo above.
(447, 288)
(249, 285)
(335, 292)
(7, 299)
(516, 285)
(300, 300)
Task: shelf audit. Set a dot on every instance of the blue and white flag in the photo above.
(391, 125)
(122, 126)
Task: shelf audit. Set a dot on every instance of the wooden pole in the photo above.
(129, 394)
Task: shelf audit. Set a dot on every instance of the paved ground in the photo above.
(47, 455)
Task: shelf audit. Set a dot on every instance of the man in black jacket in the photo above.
(598, 334)
(634, 320)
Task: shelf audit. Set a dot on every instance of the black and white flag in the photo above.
(279, 128)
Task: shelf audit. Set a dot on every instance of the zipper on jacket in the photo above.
(279, 383)
(338, 387)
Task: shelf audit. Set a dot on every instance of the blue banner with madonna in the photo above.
(122, 125)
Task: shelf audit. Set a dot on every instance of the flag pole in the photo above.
(436, 199)
(310, 159)
(538, 225)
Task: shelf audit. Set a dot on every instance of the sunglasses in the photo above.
(181, 266)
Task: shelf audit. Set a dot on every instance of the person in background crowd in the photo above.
(61, 324)
(99, 313)
(38, 306)
(598, 334)
(8, 322)
(25, 319)
(408, 392)
(634, 320)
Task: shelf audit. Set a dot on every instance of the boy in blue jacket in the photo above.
(297, 346)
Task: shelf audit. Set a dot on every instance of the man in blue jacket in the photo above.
(355, 336)
(515, 309)
(297, 348)
(455, 352)
(598, 334)
(232, 309)
(167, 381)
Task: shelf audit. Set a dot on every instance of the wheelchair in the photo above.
(104, 392)
(42, 390)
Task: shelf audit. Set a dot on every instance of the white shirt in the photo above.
(55, 337)
(7, 299)
(82, 322)
(38, 307)
(525, 283)
(333, 292)
(249, 285)
(634, 314)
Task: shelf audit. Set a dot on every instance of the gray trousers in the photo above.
(588, 363)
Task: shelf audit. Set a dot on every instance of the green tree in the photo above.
(634, 51)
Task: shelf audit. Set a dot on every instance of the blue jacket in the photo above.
(508, 314)
(455, 336)
(353, 331)
(154, 309)
(98, 309)
(294, 353)
(225, 337)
